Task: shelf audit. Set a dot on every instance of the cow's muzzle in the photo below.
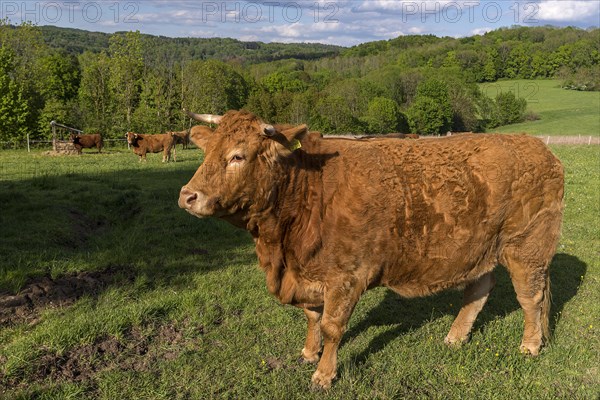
(197, 203)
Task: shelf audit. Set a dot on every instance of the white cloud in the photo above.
(416, 30)
(481, 31)
(568, 10)
(412, 7)
(345, 34)
(249, 38)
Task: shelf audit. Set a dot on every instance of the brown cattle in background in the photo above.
(182, 137)
(88, 141)
(334, 217)
(142, 144)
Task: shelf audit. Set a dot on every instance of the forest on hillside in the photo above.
(77, 41)
(133, 82)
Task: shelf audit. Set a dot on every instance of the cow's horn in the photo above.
(209, 118)
(268, 130)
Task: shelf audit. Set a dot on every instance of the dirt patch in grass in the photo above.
(137, 349)
(44, 292)
(78, 364)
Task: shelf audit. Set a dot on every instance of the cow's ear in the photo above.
(295, 133)
(200, 134)
(287, 141)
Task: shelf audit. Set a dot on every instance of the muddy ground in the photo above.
(138, 348)
(44, 292)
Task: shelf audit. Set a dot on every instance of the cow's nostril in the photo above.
(191, 198)
(187, 197)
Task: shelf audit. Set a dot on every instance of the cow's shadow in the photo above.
(409, 314)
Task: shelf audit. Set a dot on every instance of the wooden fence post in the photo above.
(53, 125)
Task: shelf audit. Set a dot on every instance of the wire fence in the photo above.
(576, 140)
(47, 144)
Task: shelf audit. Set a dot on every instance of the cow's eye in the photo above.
(236, 159)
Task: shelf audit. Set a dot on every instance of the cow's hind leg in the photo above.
(475, 295)
(527, 257)
(530, 278)
(312, 346)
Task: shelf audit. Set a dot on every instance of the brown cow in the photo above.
(82, 141)
(142, 144)
(333, 217)
(182, 137)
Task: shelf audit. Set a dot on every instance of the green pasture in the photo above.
(185, 313)
(562, 112)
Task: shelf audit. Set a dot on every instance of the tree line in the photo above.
(133, 82)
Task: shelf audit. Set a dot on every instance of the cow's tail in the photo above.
(545, 311)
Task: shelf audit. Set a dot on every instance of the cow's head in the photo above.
(241, 155)
(74, 138)
(131, 137)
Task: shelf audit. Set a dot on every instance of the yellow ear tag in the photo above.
(295, 145)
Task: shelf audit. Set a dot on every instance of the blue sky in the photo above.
(342, 22)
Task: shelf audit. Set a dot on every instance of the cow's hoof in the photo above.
(529, 349)
(456, 342)
(320, 381)
(310, 358)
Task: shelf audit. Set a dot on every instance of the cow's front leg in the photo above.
(312, 346)
(339, 304)
(167, 156)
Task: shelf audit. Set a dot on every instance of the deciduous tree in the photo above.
(383, 116)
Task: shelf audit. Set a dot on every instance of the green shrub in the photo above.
(427, 117)
(509, 109)
(431, 111)
(383, 116)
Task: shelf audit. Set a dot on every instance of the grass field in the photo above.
(562, 112)
(176, 308)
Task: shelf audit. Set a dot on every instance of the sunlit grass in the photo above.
(561, 112)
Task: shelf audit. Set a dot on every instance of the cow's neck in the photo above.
(290, 204)
(286, 225)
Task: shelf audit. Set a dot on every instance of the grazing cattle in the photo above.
(142, 144)
(182, 137)
(333, 217)
(87, 141)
